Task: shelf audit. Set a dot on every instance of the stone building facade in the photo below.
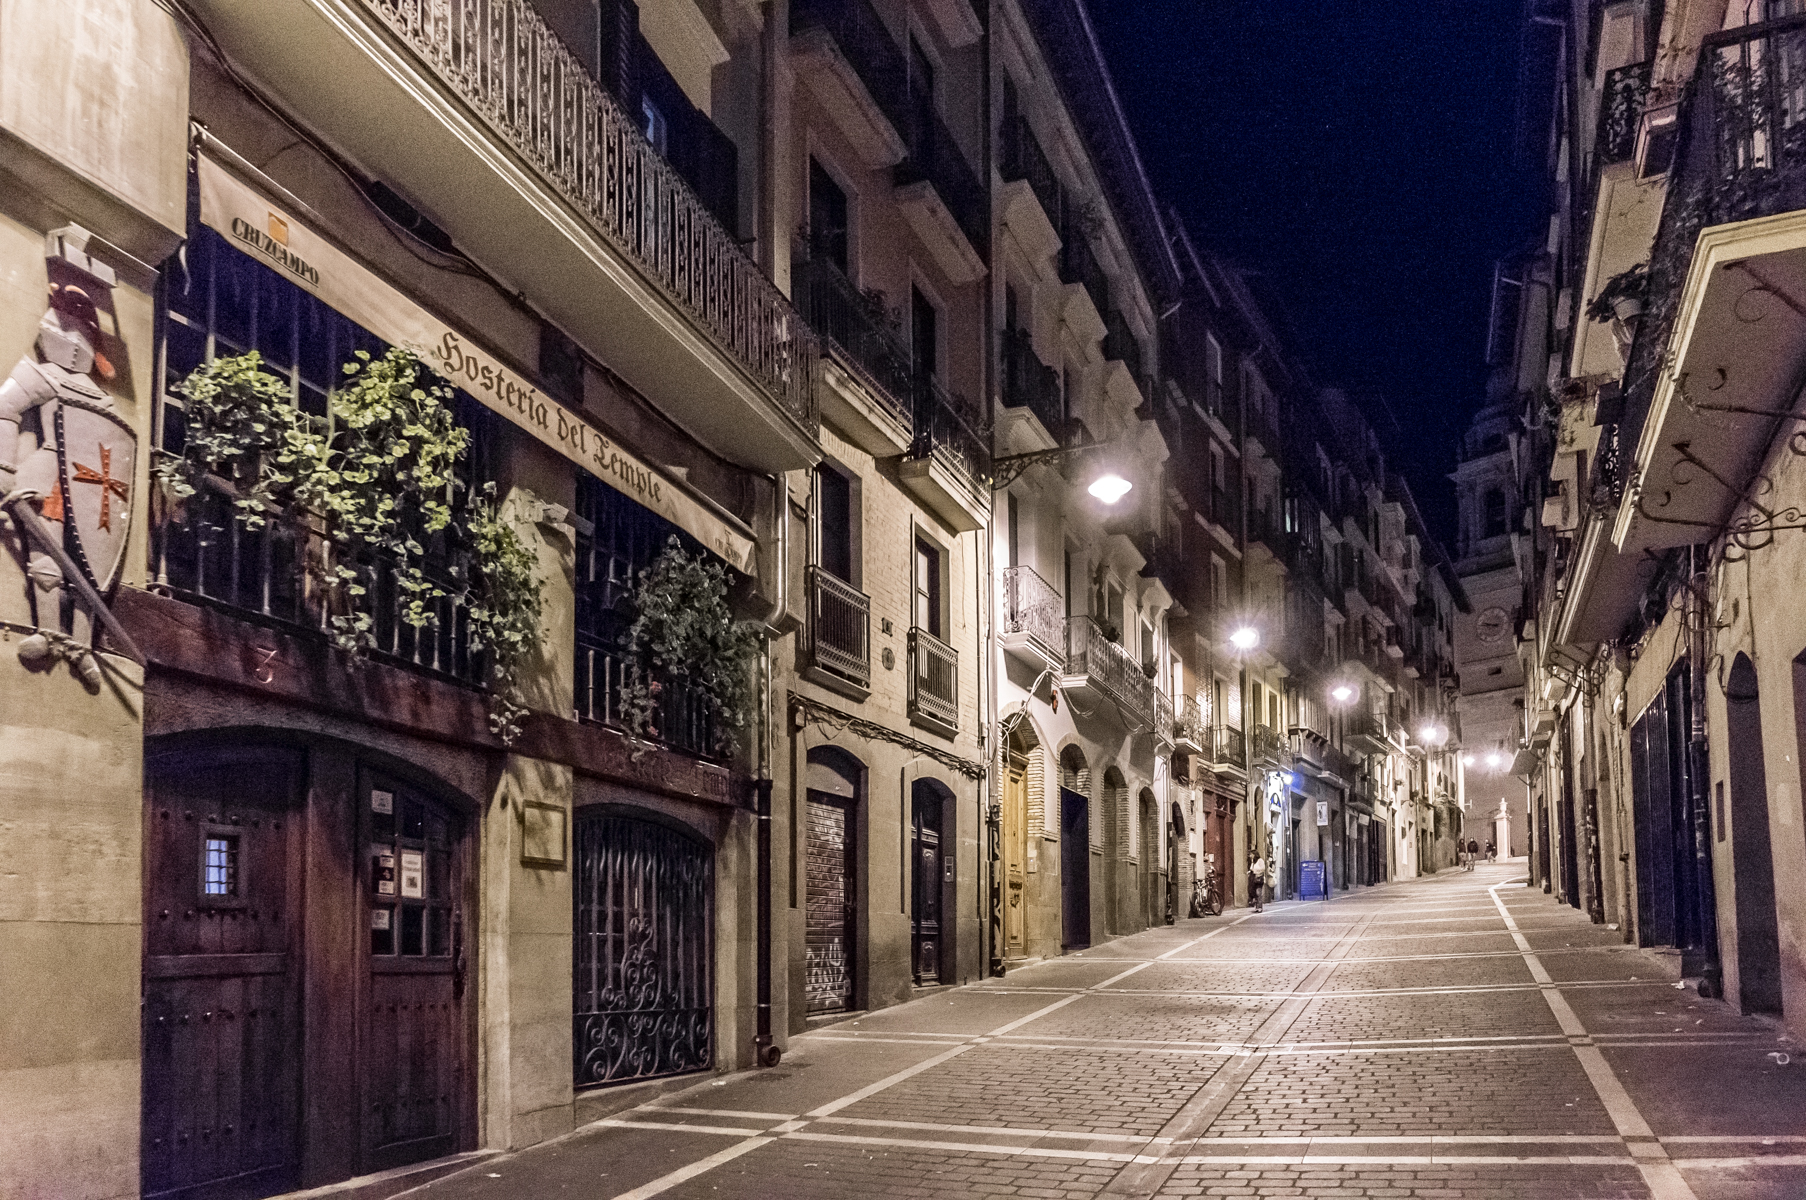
(851, 302)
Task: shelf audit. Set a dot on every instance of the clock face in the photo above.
(1491, 625)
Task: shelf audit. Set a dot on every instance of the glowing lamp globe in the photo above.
(1110, 488)
(1245, 638)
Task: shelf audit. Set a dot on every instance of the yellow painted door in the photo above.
(1015, 859)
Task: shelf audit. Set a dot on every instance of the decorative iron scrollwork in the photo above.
(643, 971)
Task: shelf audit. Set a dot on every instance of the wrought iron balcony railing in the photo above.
(933, 680)
(840, 628)
(857, 331)
(681, 720)
(1120, 344)
(947, 429)
(1165, 726)
(1191, 731)
(1228, 748)
(932, 154)
(1268, 745)
(1109, 668)
(504, 61)
(1033, 606)
(1023, 158)
(1029, 383)
(1620, 111)
(1079, 264)
(285, 572)
(1741, 153)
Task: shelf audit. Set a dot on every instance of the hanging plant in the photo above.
(1622, 296)
(504, 608)
(241, 425)
(684, 629)
(375, 481)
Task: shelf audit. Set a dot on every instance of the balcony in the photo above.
(839, 634)
(860, 347)
(1369, 733)
(1121, 345)
(1099, 668)
(1165, 731)
(1268, 746)
(1030, 384)
(1079, 265)
(280, 575)
(933, 683)
(935, 186)
(1191, 733)
(948, 466)
(1729, 252)
(478, 114)
(1033, 620)
(1621, 111)
(1228, 749)
(1030, 182)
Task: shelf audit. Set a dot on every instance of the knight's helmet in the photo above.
(69, 332)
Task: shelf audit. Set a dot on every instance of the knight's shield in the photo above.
(96, 454)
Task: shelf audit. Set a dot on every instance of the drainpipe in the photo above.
(766, 1052)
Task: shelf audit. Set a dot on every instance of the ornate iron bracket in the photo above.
(1757, 528)
(1010, 468)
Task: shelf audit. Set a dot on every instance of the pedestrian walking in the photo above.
(1257, 883)
(1492, 852)
(1473, 853)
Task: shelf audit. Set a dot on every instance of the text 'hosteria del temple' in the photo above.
(550, 545)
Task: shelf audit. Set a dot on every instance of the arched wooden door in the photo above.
(221, 1109)
(412, 1067)
(306, 1014)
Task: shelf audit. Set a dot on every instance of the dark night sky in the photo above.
(1358, 154)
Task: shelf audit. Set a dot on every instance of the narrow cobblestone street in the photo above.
(1458, 1036)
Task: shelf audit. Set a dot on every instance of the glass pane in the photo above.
(219, 867)
(413, 925)
(438, 929)
(413, 820)
(382, 929)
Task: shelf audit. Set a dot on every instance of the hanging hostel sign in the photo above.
(258, 227)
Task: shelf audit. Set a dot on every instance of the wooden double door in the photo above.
(306, 1013)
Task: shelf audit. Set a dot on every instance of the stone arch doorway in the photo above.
(1151, 854)
(834, 791)
(1075, 850)
(1752, 862)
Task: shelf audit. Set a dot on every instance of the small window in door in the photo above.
(219, 866)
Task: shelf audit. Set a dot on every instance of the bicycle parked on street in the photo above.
(1205, 898)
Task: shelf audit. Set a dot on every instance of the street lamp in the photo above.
(1342, 693)
(1245, 639)
(1110, 487)
(1433, 735)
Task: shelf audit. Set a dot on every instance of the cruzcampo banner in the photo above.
(261, 228)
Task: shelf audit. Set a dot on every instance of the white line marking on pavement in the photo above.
(966, 1147)
(993, 1130)
(719, 1112)
(666, 1182)
(701, 1166)
(1663, 1178)
(675, 1127)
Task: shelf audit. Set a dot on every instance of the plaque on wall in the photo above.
(542, 834)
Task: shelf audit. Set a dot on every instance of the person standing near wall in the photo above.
(1257, 883)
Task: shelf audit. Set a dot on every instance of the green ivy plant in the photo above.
(386, 480)
(684, 628)
(376, 477)
(242, 423)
